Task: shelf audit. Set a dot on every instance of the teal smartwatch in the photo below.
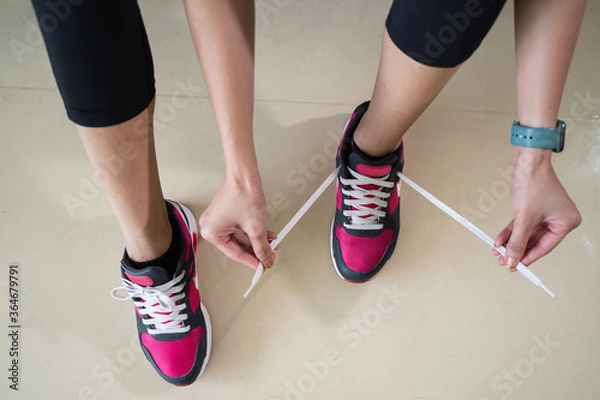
(539, 138)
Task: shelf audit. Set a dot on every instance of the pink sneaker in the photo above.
(173, 325)
(367, 218)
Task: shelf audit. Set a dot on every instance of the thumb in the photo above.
(517, 244)
(262, 250)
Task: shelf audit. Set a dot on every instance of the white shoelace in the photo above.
(522, 268)
(360, 180)
(288, 227)
(362, 215)
(158, 305)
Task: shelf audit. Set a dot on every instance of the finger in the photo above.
(542, 247)
(262, 250)
(504, 235)
(536, 235)
(237, 252)
(501, 240)
(234, 244)
(272, 236)
(212, 232)
(517, 244)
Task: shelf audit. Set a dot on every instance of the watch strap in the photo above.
(539, 138)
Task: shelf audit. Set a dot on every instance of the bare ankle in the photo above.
(150, 243)
(374, 143)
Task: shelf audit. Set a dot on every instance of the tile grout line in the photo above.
(204, 97)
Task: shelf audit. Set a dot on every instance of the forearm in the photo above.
(545, 32)
(223, 34)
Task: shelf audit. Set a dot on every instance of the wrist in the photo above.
(241, 165)
(530, 159)
(247, 180)
(243, 172)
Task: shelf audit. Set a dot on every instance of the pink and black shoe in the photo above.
(173, 325)
(367, 218)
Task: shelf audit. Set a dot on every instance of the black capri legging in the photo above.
(103, 66)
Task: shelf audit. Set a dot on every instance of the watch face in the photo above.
(563, 129)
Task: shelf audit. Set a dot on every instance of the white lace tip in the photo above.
(288, 227)
(478, 232)
(547, 290)
(259, 271)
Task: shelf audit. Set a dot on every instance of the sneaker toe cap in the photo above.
(175, 358)
(362, 254)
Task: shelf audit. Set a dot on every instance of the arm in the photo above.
(545, 32)
(235, 221)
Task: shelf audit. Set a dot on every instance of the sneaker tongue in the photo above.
(374, 168)
(149, 276)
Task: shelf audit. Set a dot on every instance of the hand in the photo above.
(543, 211)
(236, 222)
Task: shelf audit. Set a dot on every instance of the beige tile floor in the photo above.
(441, 321)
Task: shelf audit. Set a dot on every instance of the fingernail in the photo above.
(269, 263)
(511, 263)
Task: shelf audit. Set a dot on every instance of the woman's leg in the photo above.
(101, 59)
(424, 44)
(133, 190)
(403, 90)
(102, 63)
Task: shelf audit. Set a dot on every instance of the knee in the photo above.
(441, 33)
